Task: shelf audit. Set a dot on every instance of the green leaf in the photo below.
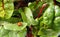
(2, 14)
(32, 5)
(12, 34)
(46, 32)
(6, 35)
(24, 18)
(5, 1)
(14, 27)
(57, 23)
(11, 20)
(48, 15)
(58, 0)
(29, 16)
(57, 11)
(21, 33)
(6, 9)
(17, 33)
(3, 32)
(9, 8)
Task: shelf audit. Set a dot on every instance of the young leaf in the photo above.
(14, 27)
(29, 16)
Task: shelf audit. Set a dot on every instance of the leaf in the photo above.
(57, 23)
(29, 16)
(58, 0)
(57, 18)
(9, 8)
(21, 33)
(11, 33)
(17, 33)
(47, 33)
(32, 5)
(6, 35)
(11, 20)
(2, 14)
(14, 27)
(6, 9)
(24, 18)
(0, 3)
(57, 11)
(48, 15)
(5, 1)
(3, 32)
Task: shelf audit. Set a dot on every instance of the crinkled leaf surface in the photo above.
(11, 33)
(57, 11)
(57, 23)
(7, 9)
(13, 26)
(47, 33)
(48, 15)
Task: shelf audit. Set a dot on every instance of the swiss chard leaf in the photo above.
(48, 15)
(7, 9)
(29, 16)
(13, 26)
(57, 11)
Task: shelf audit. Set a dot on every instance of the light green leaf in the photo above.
(29, 16)
(14, 27)
(21, 33)
(9, 8)
(12, 34)
(6, 9)
(3, 32)
(57, 11)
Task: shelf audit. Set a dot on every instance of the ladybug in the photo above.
(19, 23)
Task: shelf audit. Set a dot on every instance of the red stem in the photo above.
(41, 10)
(29, 33)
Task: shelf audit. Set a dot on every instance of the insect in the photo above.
(19, 23)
